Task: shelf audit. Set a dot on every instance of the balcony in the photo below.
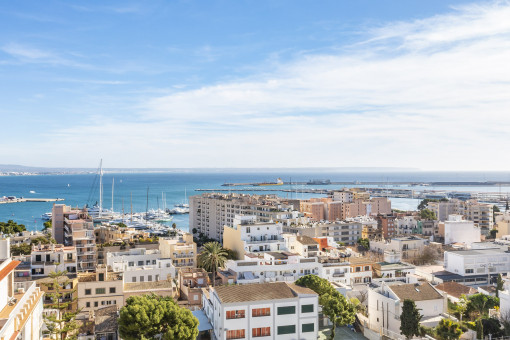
(338, 274)
(182, 255)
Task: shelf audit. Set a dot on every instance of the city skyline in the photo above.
(272, 85)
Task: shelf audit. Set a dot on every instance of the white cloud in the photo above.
(431, 93)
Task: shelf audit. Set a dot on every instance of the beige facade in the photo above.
(210, 212)
(503, 224)
(480, 213)
(191, 282)
(161, 288)
(181, 249)
(114, 233)
(100, 289)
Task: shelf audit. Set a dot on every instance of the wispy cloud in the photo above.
(28, 54)
(429, 93)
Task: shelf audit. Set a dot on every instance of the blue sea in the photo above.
(79, 190)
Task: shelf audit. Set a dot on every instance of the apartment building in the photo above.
(272, 267)
(302, 245)
(141, 265)
(21, 303)
(113, 233)
(361, 270)
(481, 214)
(210, 212)
(347, 232)
(386, 223)
(406, 225)
(191, 282)
(266, 310)
(49, 258)
(335, 270)
(100, 289)
(74, 227)
(408, 246)
(392, 268)
(180, 249)
(385, 303)
(457, 230)
(68, 287)
(503, 224)
(248, 236)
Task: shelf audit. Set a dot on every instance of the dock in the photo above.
(23, 200)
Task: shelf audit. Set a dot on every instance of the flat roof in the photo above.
(259, 292)
(488, 251)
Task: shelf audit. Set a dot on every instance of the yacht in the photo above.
(46, 216)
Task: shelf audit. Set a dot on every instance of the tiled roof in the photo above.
(416, 291)
(455, 289)
(306, 240)
(258, 292)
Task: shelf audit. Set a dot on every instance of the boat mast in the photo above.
(131, 207)
(113, 185)
(147, 207)
(100, 188)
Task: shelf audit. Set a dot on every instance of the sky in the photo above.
(178, 84)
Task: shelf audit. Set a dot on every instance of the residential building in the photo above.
(503, 224)
(481, 214)
(386, 223)
(302, 245)
(114, 234)
(385, 302)
(267, 310)
(21, 303)
(361, 270)
(141, 265)
(455, 290)
(344, 196)
(457, 230)
(248, 236)
(68, 288)
(26, 237)
(180, 249)
(408, 246)
(392, 268)
(335, 270)
(191, 282)
(161, 288)
(406, 225)
(49, 258)
(210, 212)
(100, 289)
(74, 227)
(272, 267)
(346, 232)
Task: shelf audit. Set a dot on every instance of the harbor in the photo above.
(11, 199)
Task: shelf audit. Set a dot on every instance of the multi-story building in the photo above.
(503, 224)
(210, 212)
(266, 310)
(302, 245)
(74, 227)
(481, 214)
(141, 265)
(406, 225)
(361, 270)
(113, 234)
(247, 236)
(457, 230)
(274, 266)
(386, 223)
(99, 289)
(385, 303)
(347, 232)
(68, 289)
(21, 303)
(335, 270)
(345, 196)
(408, 246)
(191, 282)
(180, 249)
(392, 269)
(49, 258)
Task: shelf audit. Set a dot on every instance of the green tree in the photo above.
(10, 227)
(462, 305)
(499, 285)
(61, 325)
(46, 226)
(364, 243)
(194, 231)
(410, 319)
(231, 254)
(212, 257)
(427, 214)
(479, 304)
(174, 226)
(121, 225)
(448, 330)
(22, 249)
(148, 316)
(492, 326)
(334, 305)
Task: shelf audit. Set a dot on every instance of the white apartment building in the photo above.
(249, 236)
(385, 303)
(49, 258)
(343, 196)
(474, 266)
(274, 266)
(302, 245)
(141, 265)
(408, 246)
(21, 303)
(210, 212)
(335, 271)
(480, 213)
(457, 230)
(262, 311)
(406, 225)
(347, 232)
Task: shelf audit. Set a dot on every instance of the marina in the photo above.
(11, 199)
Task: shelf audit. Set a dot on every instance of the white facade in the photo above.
(283, 319)
(343, 196)
(457, 230)
(477, 262)
(408, 246)
(273, 268)
(336, 272)
(406, 224)
(46, 259)
(141, 265)
(504, 300)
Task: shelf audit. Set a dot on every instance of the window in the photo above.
(131, 264)
(149, 278)
(290, 329)
(469, 271)
(96, 304)
(286, 310)
(112, 290)
(101, 276)
(38, 258)
(263, 331)
(307, 309)
(235, 314)
(367, 268)
(88, 291)
(140, 263)
(358, 269)
(307, 327)
(153, 261)
(256, 312)
(87, 305)
(133, 279)
(235, 334)
(142, 279)
(100, 290)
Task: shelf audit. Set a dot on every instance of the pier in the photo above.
(23, 200)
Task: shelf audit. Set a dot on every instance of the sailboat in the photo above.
(184, 204)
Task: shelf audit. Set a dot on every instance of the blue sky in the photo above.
(255, 83)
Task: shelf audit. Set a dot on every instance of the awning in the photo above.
(203, 322)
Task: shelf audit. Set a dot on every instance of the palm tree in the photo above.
(212, 257)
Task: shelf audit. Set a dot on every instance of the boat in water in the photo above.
(46, 216)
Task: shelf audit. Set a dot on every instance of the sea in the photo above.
(137, 191)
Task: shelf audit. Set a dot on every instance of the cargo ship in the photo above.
(278, 182)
